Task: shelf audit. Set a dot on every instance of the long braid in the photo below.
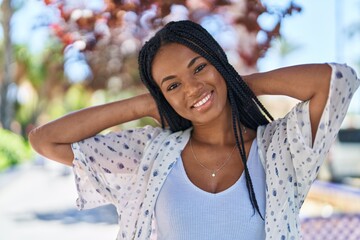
(246, 109)
(237, 128)
(248, 91)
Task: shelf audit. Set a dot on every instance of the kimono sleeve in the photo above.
(289, 153)
(307, 157)
(104, 165)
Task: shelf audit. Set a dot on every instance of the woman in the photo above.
(218, 168)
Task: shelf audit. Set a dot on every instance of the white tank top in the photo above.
(185, 212)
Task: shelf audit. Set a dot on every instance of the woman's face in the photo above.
(191, 85)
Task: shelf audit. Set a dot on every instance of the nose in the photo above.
(193, 86)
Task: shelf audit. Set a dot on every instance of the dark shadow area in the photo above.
(105, 214)
(350, 135)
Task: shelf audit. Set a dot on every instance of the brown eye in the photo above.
(172, 86)
(200, 67)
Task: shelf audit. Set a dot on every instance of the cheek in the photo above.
(219, 79)
(174, 102)
(216, 77)
(178, 107)
(177, 103)
(220, 82)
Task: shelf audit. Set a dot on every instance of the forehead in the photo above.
(170, 58)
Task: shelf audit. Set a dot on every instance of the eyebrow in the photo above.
(188, 66)
(193, 61)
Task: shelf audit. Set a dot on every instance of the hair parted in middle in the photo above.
(246, 109)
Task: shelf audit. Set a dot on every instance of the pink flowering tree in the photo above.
(110, 34)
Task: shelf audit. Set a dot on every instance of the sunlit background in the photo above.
(60, 56)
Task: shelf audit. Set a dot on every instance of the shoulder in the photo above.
(343, 75)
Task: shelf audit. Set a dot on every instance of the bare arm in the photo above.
(53, 139)
(304, 82)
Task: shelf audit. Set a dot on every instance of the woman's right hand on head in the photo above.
(53, 140)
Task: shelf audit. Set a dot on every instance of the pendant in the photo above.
(213, 174)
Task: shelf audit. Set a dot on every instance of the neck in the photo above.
(218, 132)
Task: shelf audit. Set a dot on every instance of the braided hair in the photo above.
(246, 109)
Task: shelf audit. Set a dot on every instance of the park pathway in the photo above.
(37, 201)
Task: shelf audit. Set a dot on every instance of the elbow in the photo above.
(45, 146)
(35, 140)
(40, 142)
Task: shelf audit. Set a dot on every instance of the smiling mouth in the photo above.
(202, 101)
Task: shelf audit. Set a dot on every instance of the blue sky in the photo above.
(321, 30)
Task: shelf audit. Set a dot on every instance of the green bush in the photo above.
(13, 149)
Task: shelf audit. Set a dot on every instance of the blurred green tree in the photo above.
(7, 86)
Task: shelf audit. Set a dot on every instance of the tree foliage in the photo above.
(7, 88)
(107, 40)
(111, 36)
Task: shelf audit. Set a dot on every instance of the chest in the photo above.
(183, 205)
(214, 170)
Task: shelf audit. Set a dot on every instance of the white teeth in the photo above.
(202, 101)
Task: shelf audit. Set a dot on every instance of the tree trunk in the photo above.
(7, 86)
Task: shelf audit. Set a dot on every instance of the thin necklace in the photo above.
(213, 171)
